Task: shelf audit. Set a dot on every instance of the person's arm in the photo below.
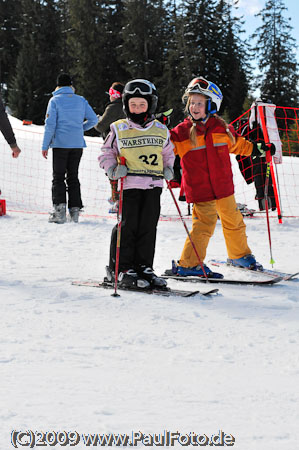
(244, 147)
(168, 158)
(109, 152)
(91, 119)
(50, 126)
(174, 139)
(7, 131)
(168, 153)
(105, 120)
(241, 147)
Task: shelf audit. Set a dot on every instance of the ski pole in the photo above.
(119, 222)
(187, 231)
(267, 210)
(268, 169)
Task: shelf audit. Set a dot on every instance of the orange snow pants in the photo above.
(204, 219)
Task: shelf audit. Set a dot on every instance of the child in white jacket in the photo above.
(145, 144)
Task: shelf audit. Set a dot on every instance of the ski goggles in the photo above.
(201, 85)
(114, 93)
(140, 86)
(198, 83)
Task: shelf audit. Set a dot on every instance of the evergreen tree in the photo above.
(213, 49)
(93, 41)
(175, 77)
(49, 55)
(275, 51)
(248, 102)
(114, 20)
(9, 44)
(200, 38)
(144, 34)
(64, 22)
(190, 49)
(231, 60)
(38, 59)
(22, 90)
(290, 139)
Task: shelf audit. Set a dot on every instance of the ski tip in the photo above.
(272, 280)
(210, 292)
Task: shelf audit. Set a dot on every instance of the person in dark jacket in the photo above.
(7, 131)
(113, 112)
(254, 169)
(68, 116)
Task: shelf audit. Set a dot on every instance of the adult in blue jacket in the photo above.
(68, 116)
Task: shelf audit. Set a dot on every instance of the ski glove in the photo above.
(116, 172)
(168, 173)
(260, 149)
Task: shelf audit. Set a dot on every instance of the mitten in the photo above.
(168, 173)
(116, 172)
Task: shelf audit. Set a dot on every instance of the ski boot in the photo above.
(247, 262)
(74, 214)
(59, 214)
(246, 212)
(127, 278)
(149, 275)
(195, 271)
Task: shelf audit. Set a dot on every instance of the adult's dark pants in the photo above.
(65, 176)
(140, 215)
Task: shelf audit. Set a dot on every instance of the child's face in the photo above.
(137, 105)
(197, 106)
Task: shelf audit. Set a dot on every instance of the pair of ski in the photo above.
(276, 277)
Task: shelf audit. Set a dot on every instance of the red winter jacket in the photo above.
(206, 167)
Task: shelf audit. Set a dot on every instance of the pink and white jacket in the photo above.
(110, 154)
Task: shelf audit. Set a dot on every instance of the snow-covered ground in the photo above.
(77, 359)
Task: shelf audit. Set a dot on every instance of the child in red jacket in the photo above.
(204, 142)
